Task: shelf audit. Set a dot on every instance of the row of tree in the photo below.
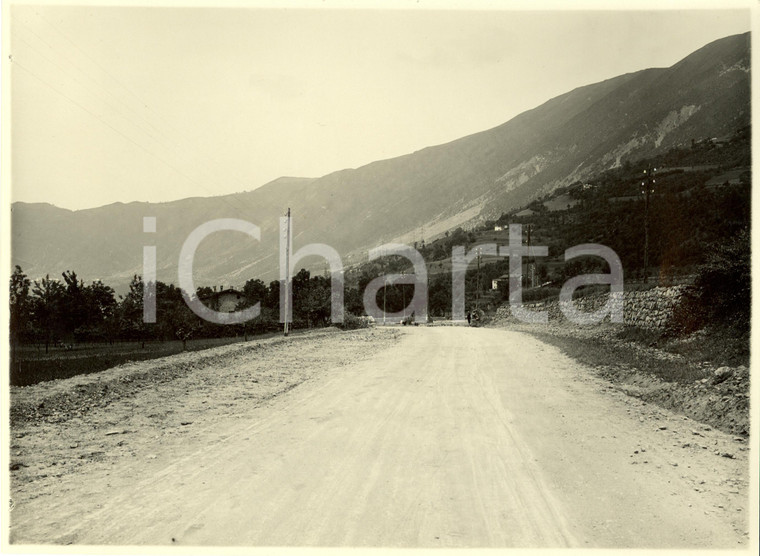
(66, 311)
(51, 311)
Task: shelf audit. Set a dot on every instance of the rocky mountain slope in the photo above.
(419, 195)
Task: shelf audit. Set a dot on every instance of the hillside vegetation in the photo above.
(700, 208)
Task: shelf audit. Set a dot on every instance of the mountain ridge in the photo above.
(414, 196)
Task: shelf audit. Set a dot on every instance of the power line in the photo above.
(171, 146)
(116, 108)
(83, 73)
(126, 88)
(104, 122)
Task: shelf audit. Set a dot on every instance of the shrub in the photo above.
(689, 315)
(352, 322)
(539, 294)
(721, 296)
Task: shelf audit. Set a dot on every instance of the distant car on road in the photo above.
(409, 320)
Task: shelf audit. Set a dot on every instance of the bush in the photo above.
(539, 294)
(722, 292)
(689, 315)
(352, 322)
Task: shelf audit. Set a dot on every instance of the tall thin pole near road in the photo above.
(648, 188)
(477, 284)
(385, 285)
(530, 279)
(403, 295)
(287, 274)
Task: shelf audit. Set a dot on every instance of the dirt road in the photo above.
(450, 437)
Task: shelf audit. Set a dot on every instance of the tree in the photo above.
(204, 291)
(47, 309)
(542, 273)
(175, 319)
(354, 302)
(130, 312)
(439, 295)
(271, 310)
(87, 308)
(19, 308)
(254, 291)
(100, 312)
(299, 288)
(315, 303)
(74, 313)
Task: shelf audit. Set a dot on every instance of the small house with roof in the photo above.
(224, 300)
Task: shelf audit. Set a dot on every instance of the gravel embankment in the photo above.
(59, 426)
(719, 397)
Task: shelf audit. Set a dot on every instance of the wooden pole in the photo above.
(287, 273)
(649, 188)
(385, 285)
(477, 284)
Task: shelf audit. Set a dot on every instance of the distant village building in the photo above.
(722, 141)
(562, 202)
(498, 228)
(731, 177)
(502, 282)
(694, 168)
(624, 198)
(223, 301)
(526, 212)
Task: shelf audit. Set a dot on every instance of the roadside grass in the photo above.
(717, 345)
(717, 349)
(33, 366)
(620, 354)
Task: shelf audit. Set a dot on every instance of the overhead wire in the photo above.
(162, 143)
(117, 109)
(130, 121)
(125, 88)
(109, 104)
(16, 63)
(72, 64)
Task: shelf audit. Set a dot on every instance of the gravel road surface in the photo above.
(444, 437)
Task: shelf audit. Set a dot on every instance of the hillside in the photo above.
(700, 206)
(420, 195)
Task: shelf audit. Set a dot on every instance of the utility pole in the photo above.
(648, 186)
(531, 264)
(287, 273)
(403, 296)
(385, 286)
(477, 284)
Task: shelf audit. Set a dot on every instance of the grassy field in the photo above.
(33, 365)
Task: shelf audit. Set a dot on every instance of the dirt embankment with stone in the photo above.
(636, 358)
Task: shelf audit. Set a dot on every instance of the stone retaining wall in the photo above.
(651, 309)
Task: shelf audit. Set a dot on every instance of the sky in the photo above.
(116, 103)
